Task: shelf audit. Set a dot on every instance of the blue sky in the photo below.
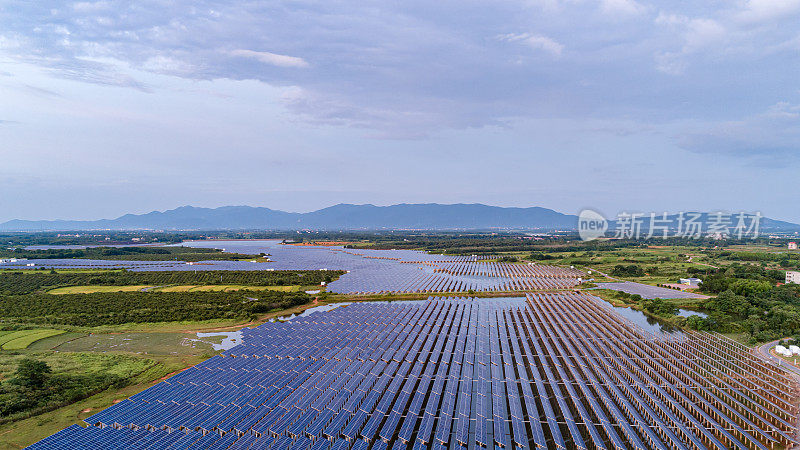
(112, 107)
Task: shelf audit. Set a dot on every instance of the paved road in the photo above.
(764, 350)
(647, 291)
(791, 368)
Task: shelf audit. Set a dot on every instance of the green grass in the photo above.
(22, 433)
(142, 343)
(52, 342)
(17, 340)
(77, 363)
(11, 335)
(669, 262)
(23, 342)
(95, 289)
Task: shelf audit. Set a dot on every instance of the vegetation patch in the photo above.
(115, 308)
(95, 289)
(23, 339)
(141, 253)
(28, 282)
(37, 382)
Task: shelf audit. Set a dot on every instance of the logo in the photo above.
(591, 225)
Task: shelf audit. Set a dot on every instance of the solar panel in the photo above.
(555, 370)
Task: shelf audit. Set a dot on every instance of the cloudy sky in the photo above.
(111, 107)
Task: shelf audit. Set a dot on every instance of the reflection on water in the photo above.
(231, 339)
(309, 311)
(689, 312)
(644, 321)
(322, 308)
(649, 323)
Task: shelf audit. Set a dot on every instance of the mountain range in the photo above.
(429, 216)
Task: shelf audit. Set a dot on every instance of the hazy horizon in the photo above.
(611, 215)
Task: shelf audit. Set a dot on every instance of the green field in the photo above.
(18, 340)
(114, 377)
(95, 289)
(141, 343)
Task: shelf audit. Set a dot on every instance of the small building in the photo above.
(792, 277)
(691, 281)
(792, 245)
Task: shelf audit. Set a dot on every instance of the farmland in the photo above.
(18, 340)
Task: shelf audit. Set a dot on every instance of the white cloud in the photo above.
(271, 58)
(768, 10)
(621, 7)
(697, 35)
(670, 63)
(702, 33)
(767, 135)
(167, 65)
(537, 42)
(91, 7)
(783, 110)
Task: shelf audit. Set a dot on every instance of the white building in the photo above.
(792, 245)
(691, 281)
(793, 277)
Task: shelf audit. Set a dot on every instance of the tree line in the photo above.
(27, 282)
(90, 310)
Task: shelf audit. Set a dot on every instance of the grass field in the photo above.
(183, 288)
(661, 264)
(140, 343)
(18, 340)
(94, 289)
(49, 343)
(144, 372)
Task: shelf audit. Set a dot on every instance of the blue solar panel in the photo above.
(493, 373)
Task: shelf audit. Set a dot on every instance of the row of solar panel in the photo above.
(555, 372)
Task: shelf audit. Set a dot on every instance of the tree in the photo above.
(31, 373)
(631, 270)
(730, 303)
(696, 322)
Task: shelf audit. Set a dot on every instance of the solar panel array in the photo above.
(559, 370)
(369, 271)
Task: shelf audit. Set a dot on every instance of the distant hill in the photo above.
(428, 216)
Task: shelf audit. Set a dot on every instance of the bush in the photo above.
(141, 307)
(631, 270)
(31, 373)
